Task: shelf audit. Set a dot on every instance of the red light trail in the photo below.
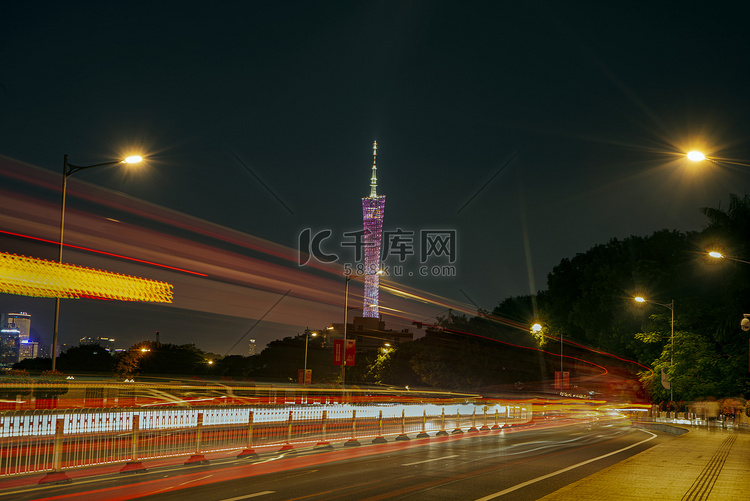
(104, 253)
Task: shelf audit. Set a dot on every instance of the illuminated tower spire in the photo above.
(374, 178)
(373, 209)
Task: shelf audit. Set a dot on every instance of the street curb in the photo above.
(666, 428)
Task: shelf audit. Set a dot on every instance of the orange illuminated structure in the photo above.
(27, 276)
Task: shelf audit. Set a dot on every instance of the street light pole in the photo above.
(671, 352)
(346, 321)
(307, 338)
(562, 379)
(536, 330)
(669, 305)
(69, 170)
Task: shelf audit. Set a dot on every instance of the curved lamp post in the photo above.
(669, 305)
(68, 170)
(536, 330)
(307, 338)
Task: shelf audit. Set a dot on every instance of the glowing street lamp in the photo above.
(697, 156)
(669, 305)
(68, 170)
(719, 255)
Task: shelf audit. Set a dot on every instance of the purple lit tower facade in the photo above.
(373, 209)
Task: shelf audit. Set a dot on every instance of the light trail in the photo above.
(110, 254)
(443, 302)
(248, 496)
(431, 460)
(116, 200)
(240, 285)
(455, 331)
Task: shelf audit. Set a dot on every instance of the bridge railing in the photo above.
(54, 441)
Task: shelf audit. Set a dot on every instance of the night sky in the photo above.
(534, 131)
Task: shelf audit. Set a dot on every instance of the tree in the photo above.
(174, 359)
(127, 363)
(13, 384)
(589, 299)
(730, 225)
(161, 358)
(394, 366)
(234, 366)
(86, 358)
(282, 359)
(37, 364)
(590, 296)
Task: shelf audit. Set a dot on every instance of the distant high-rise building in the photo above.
(20, 321)
(251, 348)
(373, 210)
(44, 350)
(28, 349)
(9, 346)
(104, 342)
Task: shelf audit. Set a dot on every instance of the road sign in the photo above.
(307, 376)
(563, 384)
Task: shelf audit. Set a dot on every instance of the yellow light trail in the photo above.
(27, 276)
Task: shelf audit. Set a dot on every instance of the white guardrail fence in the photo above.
(34, 441)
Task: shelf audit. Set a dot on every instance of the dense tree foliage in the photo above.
(162, 358)
(282, 359)
(37, 364)
(89, 358)
(590, 299)
(234, 367)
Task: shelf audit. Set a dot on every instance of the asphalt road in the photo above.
(518, 464)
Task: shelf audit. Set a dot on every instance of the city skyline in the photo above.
(556, 174)
(16, 343)
(531, 143)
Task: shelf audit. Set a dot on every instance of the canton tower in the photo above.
(372, 216)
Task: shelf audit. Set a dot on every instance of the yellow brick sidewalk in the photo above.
(711, 465)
